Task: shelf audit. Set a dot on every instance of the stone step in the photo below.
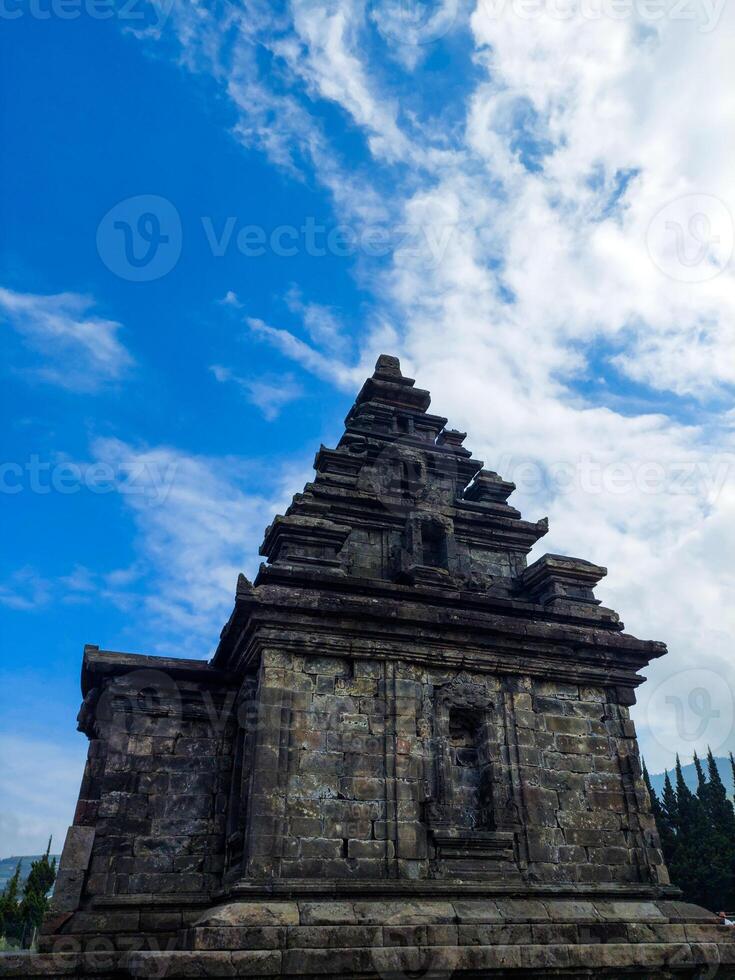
(654, 961)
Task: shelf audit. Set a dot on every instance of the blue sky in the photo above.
(514, 203)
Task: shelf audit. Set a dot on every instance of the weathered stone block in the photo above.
(377, 849)
(493, 934)
(251, 914)
(334, 936)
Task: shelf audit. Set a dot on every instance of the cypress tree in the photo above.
(703, 788)
(721, 808)
(35, 901)
(697, 832)
(21, 914)
(10, 921)
(701, 781)
(693, 864)
(655, 804)
(670, 804)
(663, 823)
(721, 816)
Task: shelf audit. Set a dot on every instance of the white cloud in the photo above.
(80, 350)
(39, 785)
(269, 393)
(25, 590)
(321, 364)
(328, 59)
(193, 540)
(230, 299)
(320, 322)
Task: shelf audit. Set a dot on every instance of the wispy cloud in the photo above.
(197, 521)
(77, 349)
(39, 784)
(320, 322)
(270, 393)
(29, 590)
(323, 365)
(192, 545)
(25, 590)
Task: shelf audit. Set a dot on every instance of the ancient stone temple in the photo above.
(411, 754)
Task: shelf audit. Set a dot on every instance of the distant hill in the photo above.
(8, 866)
(690, 776)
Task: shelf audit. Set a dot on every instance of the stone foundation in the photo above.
(390, 938)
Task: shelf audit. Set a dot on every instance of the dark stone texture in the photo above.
(410, 752)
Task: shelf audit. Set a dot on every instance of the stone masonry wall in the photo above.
(588, 813)
(319, 803)
(151, 813)
(362, 765)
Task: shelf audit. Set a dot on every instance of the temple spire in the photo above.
(388, 388)
(387, 367)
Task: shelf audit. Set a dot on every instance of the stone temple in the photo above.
(410, 756)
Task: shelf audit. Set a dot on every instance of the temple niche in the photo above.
(410, 755)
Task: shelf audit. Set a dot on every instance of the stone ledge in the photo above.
(306, 889)
(649, 960)
(421, 911)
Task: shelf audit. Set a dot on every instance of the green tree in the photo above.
(701, 778)
(721, 809)
(663, 823)
(22, 910)
(10, 921)
(697, 832)
(695, 862)
(721, 818)
(35, 901)
(670, 804)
